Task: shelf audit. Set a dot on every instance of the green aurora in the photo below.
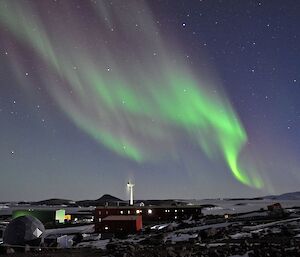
(135, 102)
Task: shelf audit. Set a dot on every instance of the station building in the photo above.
(149, 214)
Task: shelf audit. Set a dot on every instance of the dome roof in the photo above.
(24, 230)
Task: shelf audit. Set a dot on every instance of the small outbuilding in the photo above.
(275, 210)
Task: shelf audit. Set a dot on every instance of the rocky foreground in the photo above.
(283, 247)
(223, 240)
(253, 234)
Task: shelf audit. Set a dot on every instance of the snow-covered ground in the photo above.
(99, 244)
(240, 206)
(180, 237)
(204, 227)
(70, 230)
(270, 224)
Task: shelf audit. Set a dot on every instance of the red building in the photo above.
(121, 224)
(276, 210)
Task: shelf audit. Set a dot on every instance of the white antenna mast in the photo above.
(130, 188)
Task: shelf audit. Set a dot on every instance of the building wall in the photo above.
(120, 226)
(60, 216)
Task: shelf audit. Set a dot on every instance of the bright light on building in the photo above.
(106, 228)
(149, 211)
(121, 212)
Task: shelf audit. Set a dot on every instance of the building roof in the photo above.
(122, 217)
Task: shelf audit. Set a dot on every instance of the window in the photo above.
(121, 212)
(149, 211)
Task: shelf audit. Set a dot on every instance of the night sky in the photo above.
(187, 99)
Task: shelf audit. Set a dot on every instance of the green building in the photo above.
(47, 217)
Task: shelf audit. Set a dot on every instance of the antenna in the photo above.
(130, 188)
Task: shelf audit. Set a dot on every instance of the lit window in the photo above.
(106, 228)
(128, 211)
(166, 210)
(99, 219)
(175, 210)
(149, 211)
(99, 212)
(175, 217)
(121, 212)
(138, 211)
